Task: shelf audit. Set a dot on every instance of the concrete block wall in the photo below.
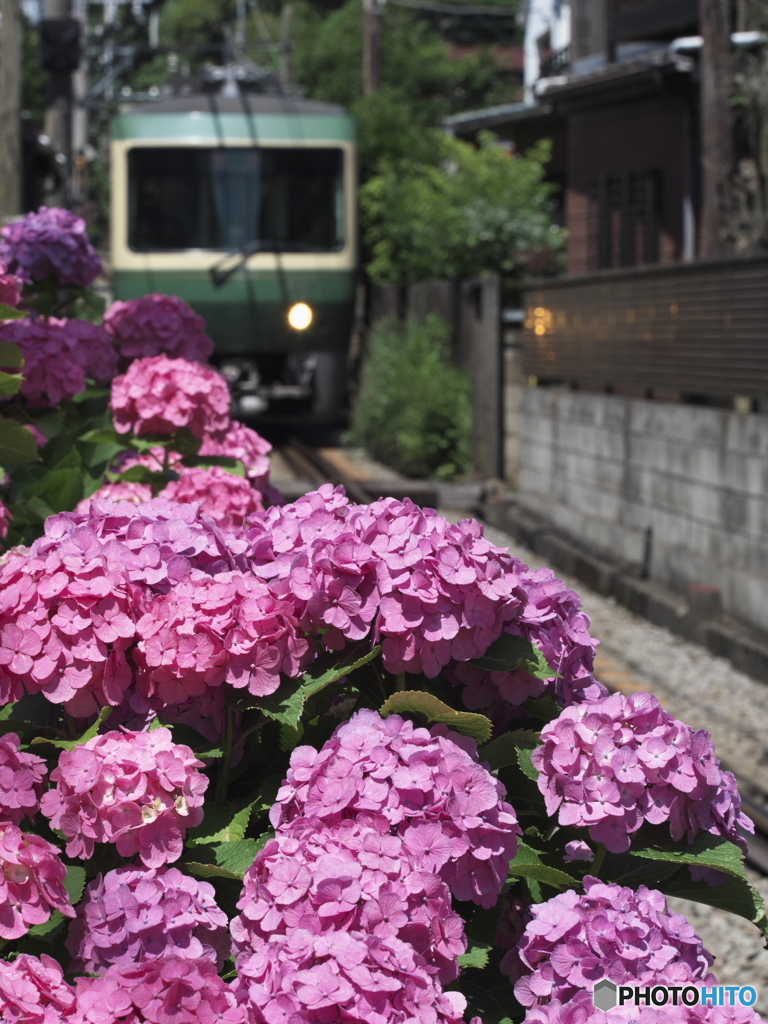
(606, 469)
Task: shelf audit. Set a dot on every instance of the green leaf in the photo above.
(238, 856)
(476, 956)
(16, 443)
(505, 749)
(735, 895)
(10, 384)
(706, 851)
(102, 435)
(49, 422)
(206, 461)
(543, 708)
(74, 883)
(141, 475)
(46, 931)
(60, 489)
(329, 667)
(210, 871)
(223, 823)
(285, 705)
(418, 702)
(9, 313)
(290, 737)
(509, 653)
(87, 735)
(528, 864)
(6, 712)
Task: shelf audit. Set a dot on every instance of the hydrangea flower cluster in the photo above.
(168, 990)
(351, 877)
(50, 243)
(156, 324)
(130, 915)
(611, 931)
(617, 762)
(33, 991)
(21, 781)
(53, 371)
(351, 976)
(10, 287)
(449, 811)
(553, 620)
(207, 631)
(437, 594)
(138, 790)
(92, 348)
(240, 442)
(158, 395)
(119, 490)
(226, 498)
(349, 905)
(31, 882)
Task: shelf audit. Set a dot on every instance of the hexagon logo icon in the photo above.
(604, 995)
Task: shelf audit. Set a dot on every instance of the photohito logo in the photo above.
(606, 995)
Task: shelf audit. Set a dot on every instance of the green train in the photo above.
(245, 206)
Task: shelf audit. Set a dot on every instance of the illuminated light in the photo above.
(300, 316)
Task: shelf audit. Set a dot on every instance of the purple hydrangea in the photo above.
(612, 764)
(134, 914)
(50, 243)
(467, 836)
(21, 781)
(156, 324)
(613, 932)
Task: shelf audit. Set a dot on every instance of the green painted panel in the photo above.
(202, 125)
(247, 315)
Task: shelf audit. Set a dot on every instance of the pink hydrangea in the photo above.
(34, 991)
(31, 882)
(158, 395)
(50, 243)
(52, 370)
(131, 914)
(10, 287)
(354, 877)
(612, 764)
(120, 490)
(572, 942)
(154, 325)
(138, 790)
(316, 979)
(22, 777)
(210, 630)
(449, 811)
(93, 349)
(168, 990)
(227, 498)
(240, 442)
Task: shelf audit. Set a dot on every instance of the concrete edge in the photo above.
(743, 646)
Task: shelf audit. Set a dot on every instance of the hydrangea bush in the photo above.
(308, 763)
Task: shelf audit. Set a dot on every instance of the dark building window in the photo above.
(628, 218)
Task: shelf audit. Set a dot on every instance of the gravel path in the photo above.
(707, 693)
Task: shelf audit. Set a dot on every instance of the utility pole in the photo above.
(372, 13)
(716, 130)
(286, 45)
(55, 34)
(80, 111)
(11, 30)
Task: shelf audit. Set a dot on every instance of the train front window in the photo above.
(283, 199)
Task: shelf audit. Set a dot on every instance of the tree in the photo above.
(474, 211)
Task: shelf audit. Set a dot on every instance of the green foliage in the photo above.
(474, 211)
(413, 408)
(425, 705)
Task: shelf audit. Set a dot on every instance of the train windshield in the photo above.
(286, 200)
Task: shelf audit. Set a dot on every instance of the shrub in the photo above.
(413, 408)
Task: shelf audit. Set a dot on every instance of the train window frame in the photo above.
(124, 258)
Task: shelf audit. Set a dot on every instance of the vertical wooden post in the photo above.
(716, 129)
(58, 114)
(11, 29)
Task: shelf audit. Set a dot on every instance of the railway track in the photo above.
(317, 466)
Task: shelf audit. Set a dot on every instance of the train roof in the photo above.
(211, 116)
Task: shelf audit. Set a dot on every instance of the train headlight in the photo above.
(300, 316)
